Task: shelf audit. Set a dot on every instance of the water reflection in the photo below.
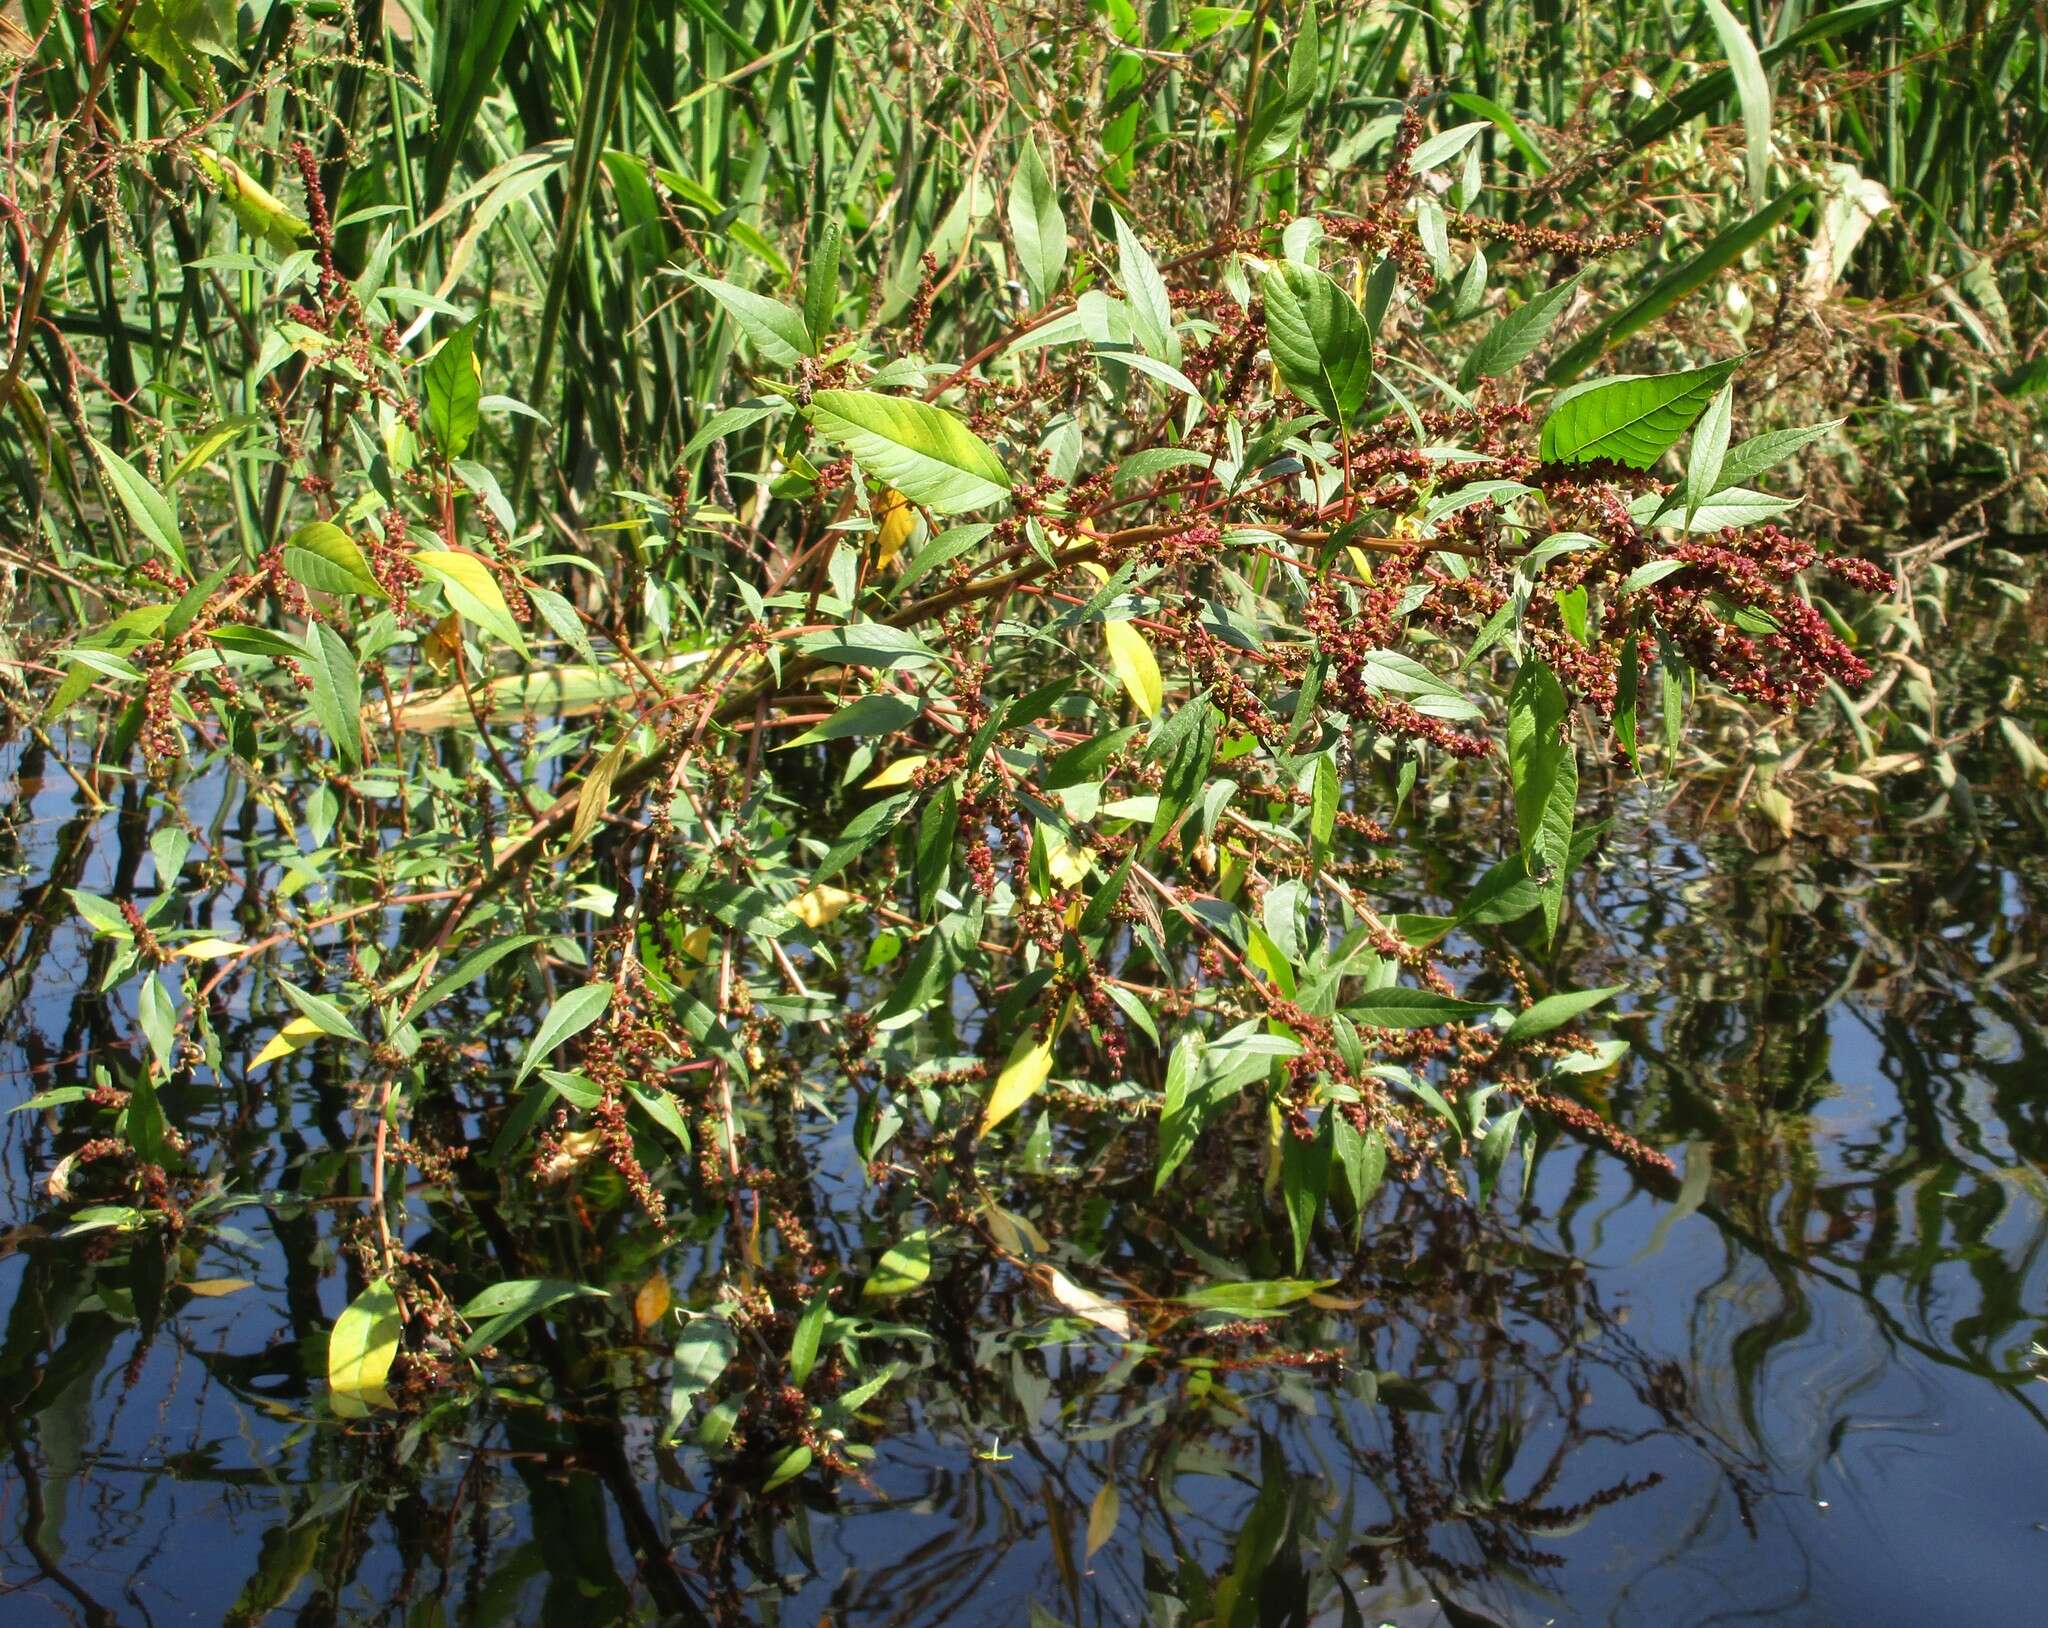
(1799, 1384)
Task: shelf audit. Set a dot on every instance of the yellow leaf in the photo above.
(1103, 1313)
(1361, 560)
(361, 1349)
(443, 643)
(697, 943)
(897, 520)
(1135, 665)
(1022, 1078)
(1102, 1514)
(296, 1035)
(214, 1288)
(1014, 1232)
(472, 590)
(1068, 864)
(820, 906)
(651, 1303)
(209, 949)
(900, 773)
(595, 794)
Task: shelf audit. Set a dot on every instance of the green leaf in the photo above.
(810, 1329)
(337, 693)
(1709, 447)
(1319, 340)
(1748, 459)
(902, 1268)
(148, 509)
(1753, 91)
(501, 1308)
(361, 1349)
(319, 1011)
(1323, 801)
(925, 453)
(1543, 766)
(1400, 1008)
(1492, 1152)
(1362, 1161)
(1023, 1077)
(454, 386)
(1305, 1180)
(792, 1464)
(1738, 506)
(702, 1353)
(102, 915)
(263, 215)
(870, 715)
(1275, 128)
(1633, 419)
(323, 556)
(821, 284)
(1555, 1011)
(568, 1017)
(1251, 1299)
(1037, 226)
(1514, 338)
(868, 644)
(779, 333)
(1145, 292)
(473, 965)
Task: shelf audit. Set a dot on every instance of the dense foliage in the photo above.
(777, 597)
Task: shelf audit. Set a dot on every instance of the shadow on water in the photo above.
(1801, 1384)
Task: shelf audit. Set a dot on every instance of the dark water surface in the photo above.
(1803, 1386)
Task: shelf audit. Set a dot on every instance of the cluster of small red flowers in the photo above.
(1786, 668)
(390, 561)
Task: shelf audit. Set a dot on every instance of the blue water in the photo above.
(1805, 1388)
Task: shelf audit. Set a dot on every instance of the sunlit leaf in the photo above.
(361, 1349)
(1022, 1078)
(902, 1268)
(925, 453)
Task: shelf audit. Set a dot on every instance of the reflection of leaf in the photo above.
(1102, 1517)
(1084, 1303)
(1692, 1193)
(361, 1349)
(1250, 1299)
